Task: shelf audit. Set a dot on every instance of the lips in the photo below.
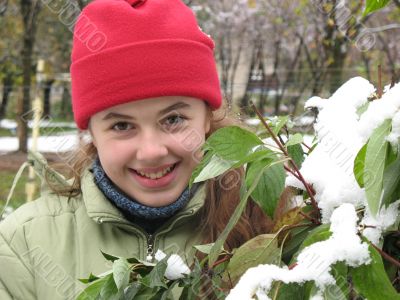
(161, 182)
(154, 170)
(156, 175)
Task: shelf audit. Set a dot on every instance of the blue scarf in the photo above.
(149, 218)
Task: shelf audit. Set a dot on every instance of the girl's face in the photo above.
(149, 148)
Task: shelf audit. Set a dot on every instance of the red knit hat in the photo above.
(126, 50)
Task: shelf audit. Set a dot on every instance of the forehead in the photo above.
(159, 105)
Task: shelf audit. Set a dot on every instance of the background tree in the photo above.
(29, 11)
(10, 64)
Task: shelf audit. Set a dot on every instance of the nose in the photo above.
(151, 147)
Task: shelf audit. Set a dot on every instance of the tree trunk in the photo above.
(7, 88)
(366, 60)
(244, 103)
(29, 11)
(336, 68)
(66, 110)
(24, 102)
(46, 98)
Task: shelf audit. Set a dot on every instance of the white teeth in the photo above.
(156, 175)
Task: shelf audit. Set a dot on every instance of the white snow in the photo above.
(386, 217)
(341, 133)
(380, 110)
(329, 168)
(52, 143)
(314, 262)
(59, 142)
(394, 136)
(176, 268)
(44, 123)
(315, 101)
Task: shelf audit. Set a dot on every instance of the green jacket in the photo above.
(46, 245)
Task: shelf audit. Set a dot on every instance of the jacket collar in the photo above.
(100, 209)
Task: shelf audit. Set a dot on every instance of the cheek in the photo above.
(113, 155)
(192, 138)
(189, 144)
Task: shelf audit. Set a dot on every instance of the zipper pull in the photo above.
(150, 249)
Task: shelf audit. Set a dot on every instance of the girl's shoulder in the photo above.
(48, 206)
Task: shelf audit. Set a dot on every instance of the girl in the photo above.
(145, 86)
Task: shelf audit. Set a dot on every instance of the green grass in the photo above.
(5, 132)
(43, 131)
(19, 196)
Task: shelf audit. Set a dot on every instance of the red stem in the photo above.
(291, 172)
(380, 90)
(222, 260)
(313, 220)
(294, 166)
(387, 256)
(305, 145)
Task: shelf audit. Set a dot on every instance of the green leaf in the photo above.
(121, 273)
(146, 293)
(294, 140)
(297, 236)
(359, 165)
(374, 5)
(391, 155)
(214, 168)
(232, 143)
(269, 187)
(93, 290)
(204, 161)
(191, 284)
(132, 290)
(318, 234)
(156, 277)
(279, 123)
(290, 291)
(337, 291)
(375, 164)
(262, 249)
(297, 154)
(255, 156)
(309, 237)
(109, 256)
(206, 248)
(168, 294)
(133, 260)
(371, 281)
(109, 290)
(90, 279)
(391, 183)
(216, 285)
(342, 288)
(244, 196)
(218, 165)
(362, 109)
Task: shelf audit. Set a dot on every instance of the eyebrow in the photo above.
(174, 106)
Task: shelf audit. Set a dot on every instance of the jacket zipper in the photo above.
(150, 238)
(150, 248)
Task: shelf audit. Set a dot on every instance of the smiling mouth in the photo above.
(157, 175)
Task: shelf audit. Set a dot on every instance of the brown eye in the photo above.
(122, 126)
(173, 122)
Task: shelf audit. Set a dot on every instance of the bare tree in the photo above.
(29, 11)
(227, 22)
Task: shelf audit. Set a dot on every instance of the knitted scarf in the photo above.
(149, 218)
